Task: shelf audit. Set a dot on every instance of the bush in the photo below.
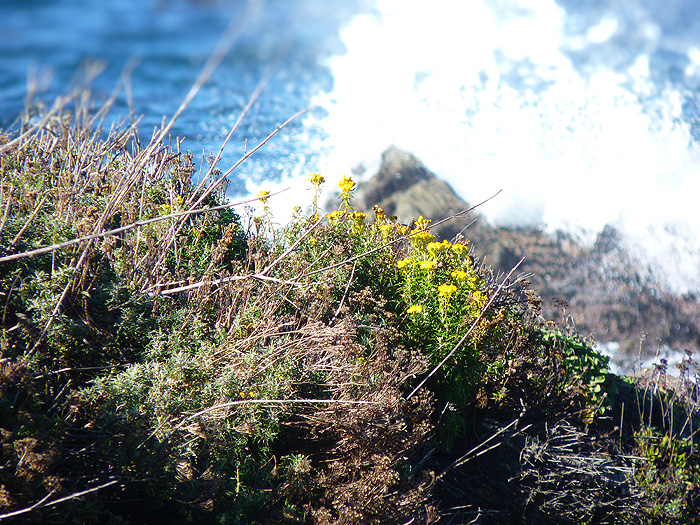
(162, 361)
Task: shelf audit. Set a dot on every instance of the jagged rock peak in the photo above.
(403, 166)
(399, 171)
(608, 240)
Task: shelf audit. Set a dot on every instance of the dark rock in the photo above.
(606, 292)
(608, 240)
(406, 188)
(399, 171)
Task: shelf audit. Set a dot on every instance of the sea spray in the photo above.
(524, 98)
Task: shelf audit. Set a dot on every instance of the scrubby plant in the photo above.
(667, 468)
(336, 369)
(586, 367)
(669, 473)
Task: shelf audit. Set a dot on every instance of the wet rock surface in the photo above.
(602, 288)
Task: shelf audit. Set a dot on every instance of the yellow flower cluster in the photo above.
(420, 223)
(445, 290)
(420, 234)
(248, 395)
(357, 221)
(459, 248)
(263, 196)
(179, 201)
(379, 214)
(316, 179)
(403, 263)
(357, 217)
(385, 228)
(436, 247)
(428, 265)
(460, 275)
(415, 309)
(334, 217)
(479, 297)
(346, 184)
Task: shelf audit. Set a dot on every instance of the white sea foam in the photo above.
(485, 94)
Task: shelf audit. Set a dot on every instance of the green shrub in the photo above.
(335, 369)
(589, 367)
(669, 473)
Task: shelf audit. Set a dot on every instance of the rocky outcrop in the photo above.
(601, 287)
(404, 187)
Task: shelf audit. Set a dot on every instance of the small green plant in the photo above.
(589, 367)
(669, 474)
(443, 295)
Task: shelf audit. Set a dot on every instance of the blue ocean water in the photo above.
(168, 41)
(583, 113)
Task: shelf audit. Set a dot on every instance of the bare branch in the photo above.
(40, 504)
(137, 224)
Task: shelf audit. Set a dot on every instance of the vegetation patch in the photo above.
(165, 359)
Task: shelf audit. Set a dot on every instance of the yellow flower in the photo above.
(346, 184)
(422, 236)
(165, 209)
(316, 179)
(427, 265)
(458, 248)
(379, 214)
(420, 233)
(415, 309)
(197, 235)
(179, 201)
(421, 223)
(445, 290)
(403, 263)
(433, 247)
(436, 247)
(460, 275)
(263, 196)
(358, 221)
(358, 217)
(385, 228)
(401, 229)
(334, 216)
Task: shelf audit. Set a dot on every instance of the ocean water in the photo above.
(582, 113)
(165, 43)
